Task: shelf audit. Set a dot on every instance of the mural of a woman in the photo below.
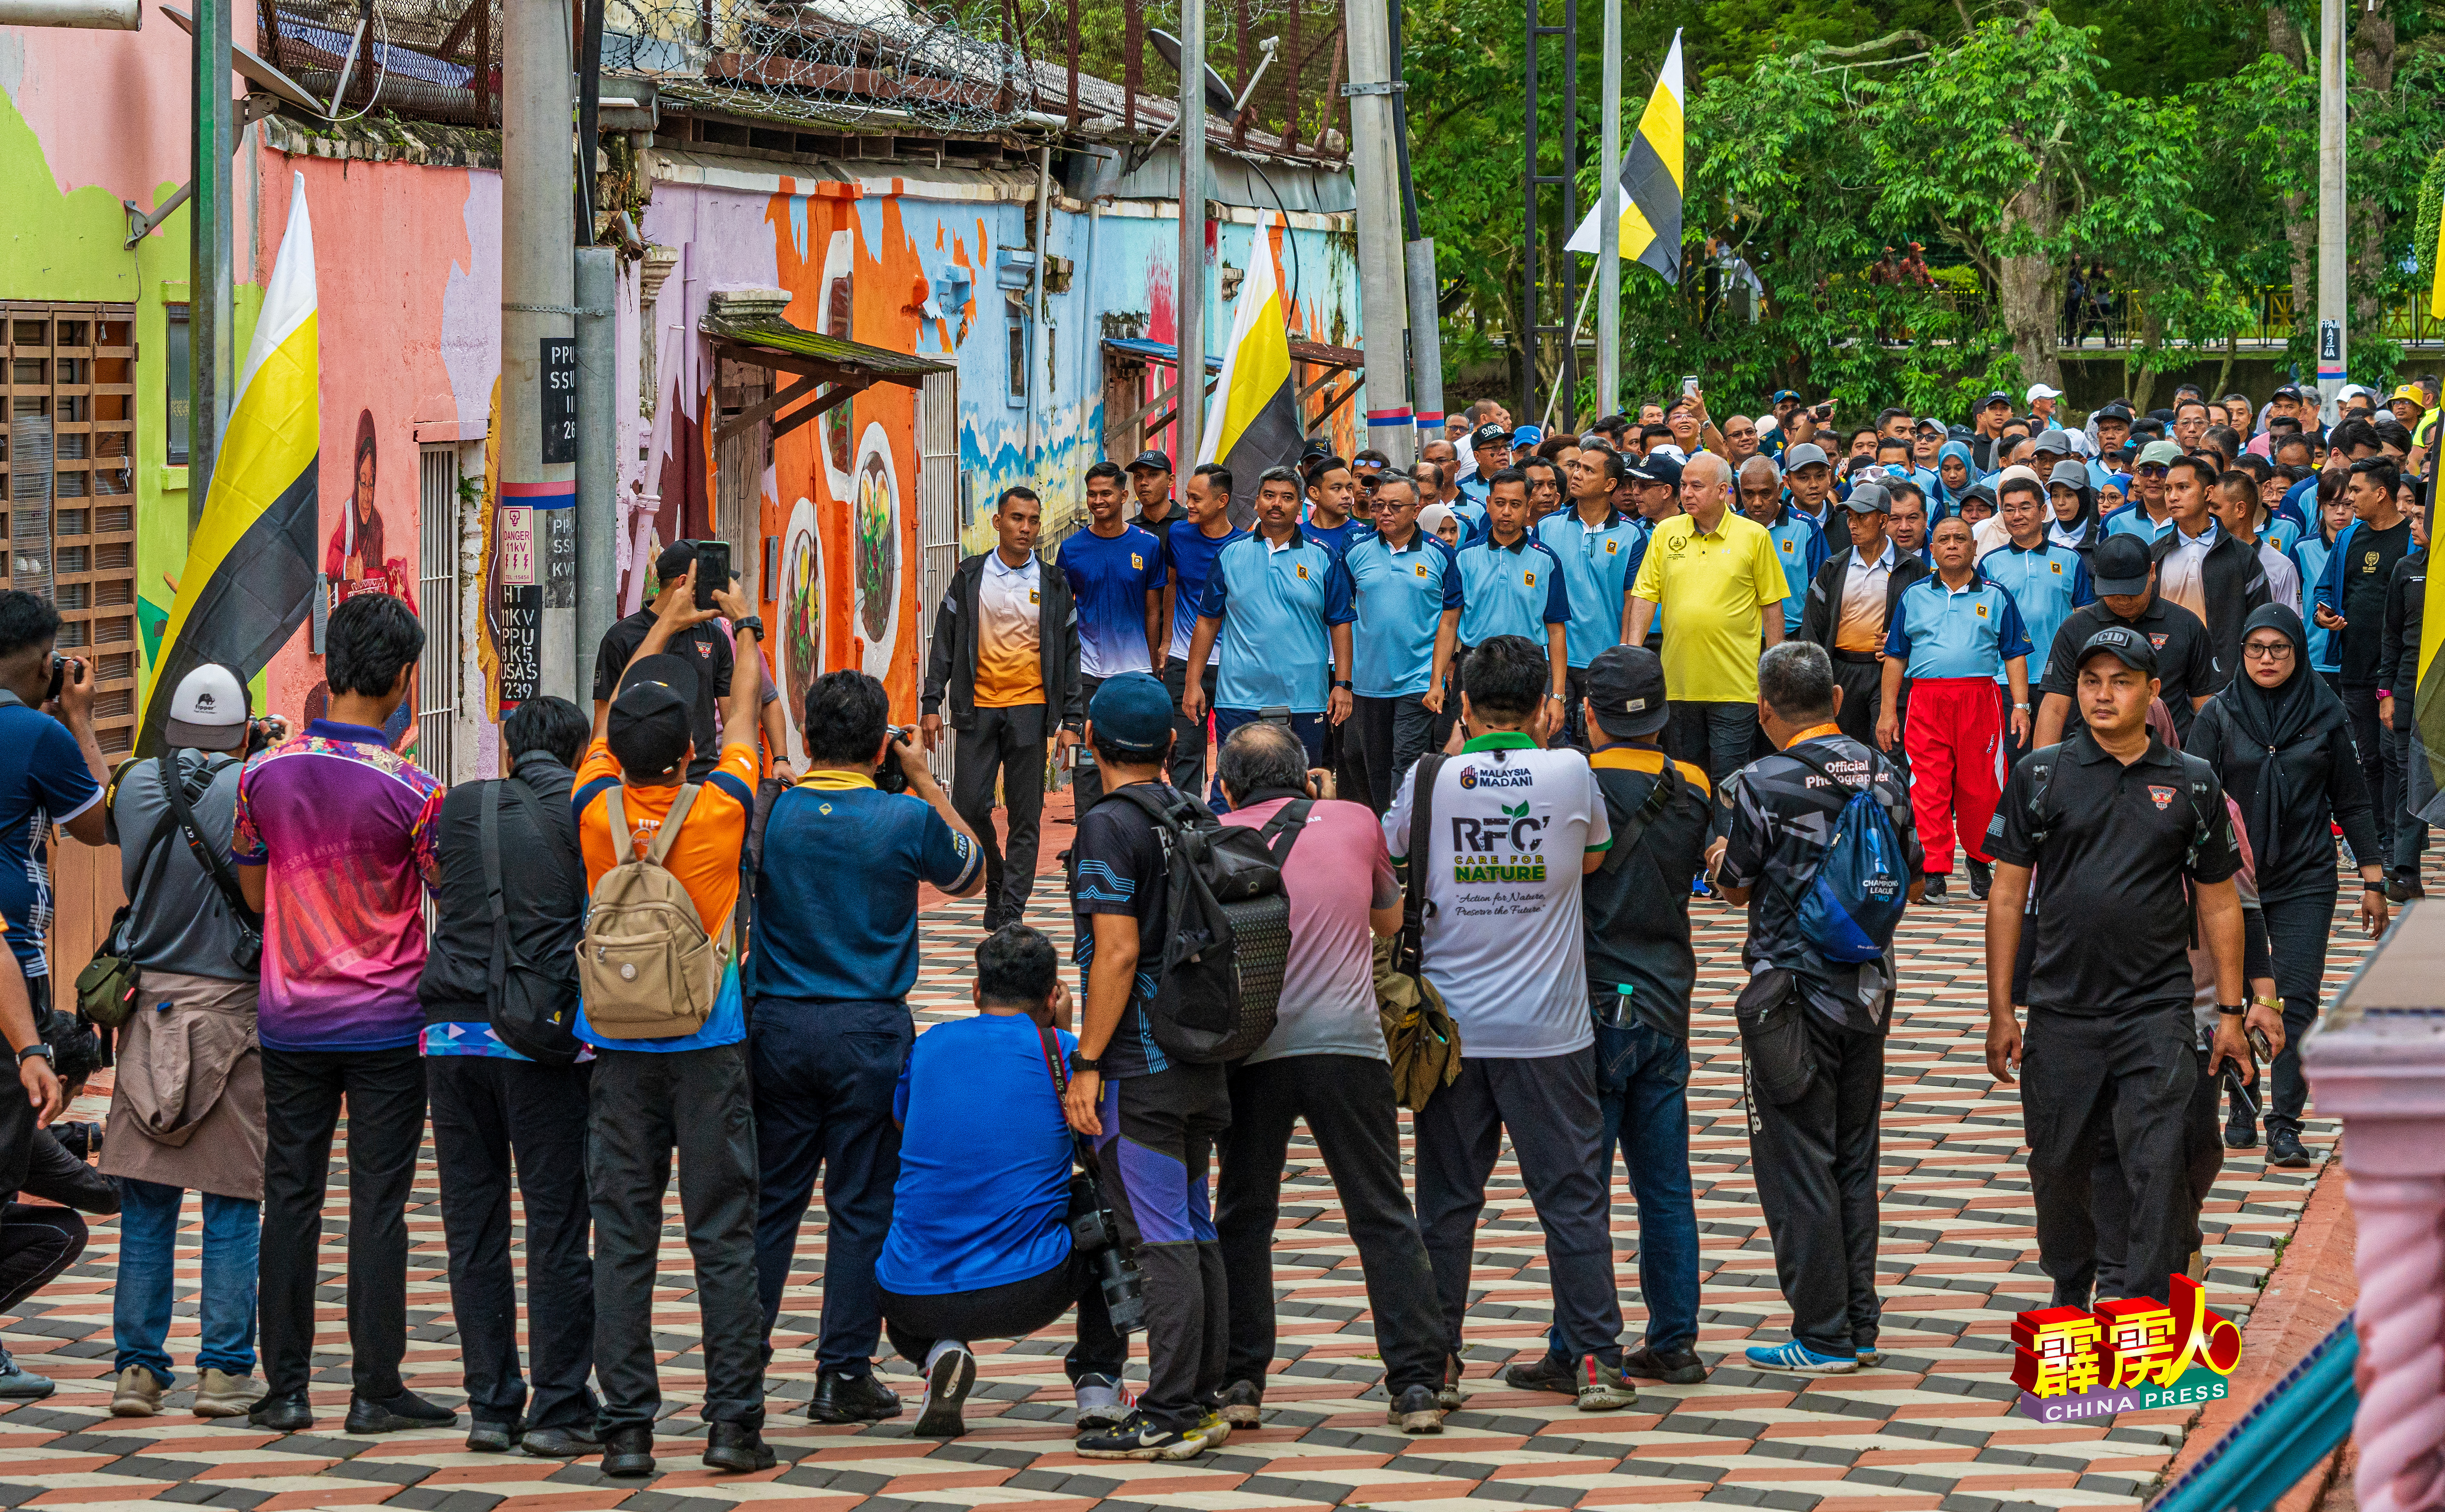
(356, 560)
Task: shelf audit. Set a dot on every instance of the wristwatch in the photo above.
(1079, 1063)
(38, 1048)
(749, 622)
(2232, 1010)
(1342, 682)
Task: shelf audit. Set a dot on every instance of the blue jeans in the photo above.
(140, 1312)
(1308, 727)
(1642, 1088)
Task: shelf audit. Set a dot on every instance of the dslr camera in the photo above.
(891, 777)
(1094, 1233)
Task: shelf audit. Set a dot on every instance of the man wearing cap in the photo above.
(2284, 404)
(1277, 607)
(2047, 579)
(1987, 418)
(2040, 398)
(1490, 447)
(194, 1044)
(2150, 514)
(1850, 604)
(2204, 568)
(2130, 843)
(1116, 574)
(1005, 650)
(1641, 971)
(1150, 485)
(688, 1092)
(1799, 543)
(1808, 472)
(1717, 573)
(702, 642)
(1793, 422)
(1598, 549)
(2124, 576)
(1405, 589)
(2112, 427)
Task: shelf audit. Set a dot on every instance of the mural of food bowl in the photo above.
(875, 565)
(800, 593)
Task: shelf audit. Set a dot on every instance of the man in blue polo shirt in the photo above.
(1406, 587)
(1332, 503)
(2048, 580)
(1597, 548)
(1115, 571)
(1513, 584)
(1799, 543)
(1950, 633)
(1278, 607)
(1190, 549)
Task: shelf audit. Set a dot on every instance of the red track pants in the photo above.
(1953, 731)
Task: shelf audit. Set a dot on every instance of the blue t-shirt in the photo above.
(1940, 632)
(2310, 553)
(2047, 584)
(1799, 546)
(1514, 590)
(43, 782)
(2132, 519)
(1275, 603)
(1189, 553)
(1401, 597)
(983, 1194)
(1110, 579)
(1340, 538)
(1597, 567)
(837, 897)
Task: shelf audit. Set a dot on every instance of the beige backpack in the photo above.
(648, 968)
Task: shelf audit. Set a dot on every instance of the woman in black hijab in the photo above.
(2072, 515)
(2279, 743)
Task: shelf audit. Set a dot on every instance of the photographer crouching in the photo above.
(982, 1242)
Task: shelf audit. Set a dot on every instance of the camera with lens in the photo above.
(1094, 1233)
(891, 777)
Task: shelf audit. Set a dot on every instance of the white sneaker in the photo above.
(1102, 1402)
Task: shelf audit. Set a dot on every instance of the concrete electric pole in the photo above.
(1609, 225)
(1189, 285)
(1383, 284)
(211, 369)
(536, 527)
(2334, 343)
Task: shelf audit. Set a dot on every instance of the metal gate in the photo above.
(938, 516)
(437, 602)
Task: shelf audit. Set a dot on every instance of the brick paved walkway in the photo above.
(1929, 1430)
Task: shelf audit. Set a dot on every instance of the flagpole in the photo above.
(1609, 225)
(1189, 283)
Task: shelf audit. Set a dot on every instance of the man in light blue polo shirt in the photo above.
(1799, 542)
(2047, 580)
(1511, 584)
(1950, 633)
(1599, 548)
(1406, 587)
(1279, 604)
(2148, 517)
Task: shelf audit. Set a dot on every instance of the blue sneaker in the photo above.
(1799, 1359)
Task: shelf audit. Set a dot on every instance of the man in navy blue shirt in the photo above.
(1190, 549)
(1115, 574)
(51, 773)
(1333, 520)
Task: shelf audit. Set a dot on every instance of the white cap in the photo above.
(2039, 391)
(209, 711)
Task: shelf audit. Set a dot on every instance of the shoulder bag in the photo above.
(107, 987)
(534, 1014)
(1420, 1038)
(246, 955)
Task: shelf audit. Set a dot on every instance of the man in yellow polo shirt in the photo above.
(1716, 571)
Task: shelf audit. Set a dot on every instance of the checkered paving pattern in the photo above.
(1931, 1428)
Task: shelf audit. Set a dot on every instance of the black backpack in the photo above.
(1226, 933)
(533, 1011)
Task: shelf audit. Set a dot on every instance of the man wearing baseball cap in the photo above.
(2150, 514)
(2111, 427)
(2040, 398)
(2124, 576)
(1987, 417)
(1808, 474)
(1150, 485)
(2119, 828)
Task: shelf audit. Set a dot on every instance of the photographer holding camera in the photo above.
(834, 954)
(994, 1237)
(51, 773)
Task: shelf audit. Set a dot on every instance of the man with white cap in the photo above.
(186, 1104)
(2041, 399)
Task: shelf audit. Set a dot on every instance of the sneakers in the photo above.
(1139, 1437)
(139, 1393)
(1448, 1395)
(1871, 1357)
(737, 1447)
(1800, 1359)
(1934, 890)
(1213, 1428)
(2240, 1129)
(949, 1377)
(629, 1451)
(559, 1443)
(1102, 1402)
(1672, 1367)
(2403, 889)
(221, 1394)
(1241, 1401)
(1415, 1411)
(1551, 1374)
(1981, 877)
(403, 1412)
(18, 1384)
(1602, 1388)
(492, 1438)
(852, 1399)
(2284, 1147)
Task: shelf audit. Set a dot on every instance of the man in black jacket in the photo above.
(2397, 668)
(1852, 602)
(2205, 569)
(1006, 649)
(492, 1101)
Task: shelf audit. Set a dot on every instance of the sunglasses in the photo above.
(2154, 469)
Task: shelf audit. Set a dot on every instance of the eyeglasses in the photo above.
(2280, 652)
(2154, 470)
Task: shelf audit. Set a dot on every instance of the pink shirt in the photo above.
(1329, 982)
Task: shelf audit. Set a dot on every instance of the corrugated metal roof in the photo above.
(856, 356)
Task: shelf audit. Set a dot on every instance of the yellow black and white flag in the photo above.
(1651, 182)
(1253, 422)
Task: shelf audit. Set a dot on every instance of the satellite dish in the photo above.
(253, 69)
(1218, 94)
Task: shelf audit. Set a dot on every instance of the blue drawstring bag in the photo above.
(1853, 903)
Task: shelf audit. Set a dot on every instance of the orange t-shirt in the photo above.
(706, 857)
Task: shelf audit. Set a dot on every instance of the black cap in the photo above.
(1656, 470)
(1153, 461)
(2117, 410)
(1490, 434)
(1994, 396)
(2119, 565)
(2287, 391)
(1626, 687)
(651, 724)
(2124, 644)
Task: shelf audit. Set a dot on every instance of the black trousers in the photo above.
(1160, 1134)
(302, 1093)
(1087, 781)
(1013, 1310)
(488, 1111)
(1864, 696)
(36, 1243)
(2298, 929)
(1816, 1159)
(1714, 736)
(1009, 743)
(2409, 830)
(1389, 735)
(2109, 1197)
(1574, 718)
(2128, 1076)
(2380, 767)
(1352, 1109)
(645, 1104)
(1188, 736)
(1548, 1104)
(823, 1076)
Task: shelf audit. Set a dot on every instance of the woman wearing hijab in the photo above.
(2075, 522)
(1954, 473)
(2279, 743)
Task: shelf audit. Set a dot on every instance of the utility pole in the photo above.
(211, 372)
(598, 455)
(2334, 343)
(1383, 297)
(537, 524)
(1426, 316)
(1609, 225)
(1190, 293)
